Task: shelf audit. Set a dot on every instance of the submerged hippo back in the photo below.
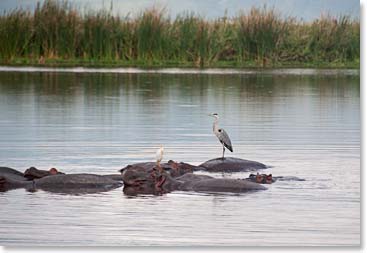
(205, 183)
(76, 183)
(226, 185)
(12, 179)
(231, 164)
(7, 171)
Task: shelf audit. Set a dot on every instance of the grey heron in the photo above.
(221, 134)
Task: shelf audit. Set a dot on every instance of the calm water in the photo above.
(302, 123)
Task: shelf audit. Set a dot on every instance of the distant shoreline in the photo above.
(64, 63)
(186, 71)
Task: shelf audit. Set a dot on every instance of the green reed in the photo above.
(58, 31)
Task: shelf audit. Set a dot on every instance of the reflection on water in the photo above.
(305, 125)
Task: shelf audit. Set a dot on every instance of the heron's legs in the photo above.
(223, 152)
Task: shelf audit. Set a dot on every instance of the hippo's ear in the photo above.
(129, 166)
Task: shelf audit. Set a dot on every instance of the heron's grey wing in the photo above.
(224, 138)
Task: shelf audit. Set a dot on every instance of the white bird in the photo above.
(221, 134)
(159, 156)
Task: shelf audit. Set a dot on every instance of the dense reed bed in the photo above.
(56, 32)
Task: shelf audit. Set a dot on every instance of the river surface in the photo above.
(303, 123)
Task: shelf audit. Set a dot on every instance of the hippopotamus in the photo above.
(227, 164)
(175, 169)
(57, 182)
(11, 179)
(261, 178)
(230, 164)
(151, 180)
(138, 178)
(33, 173)
(269, 179)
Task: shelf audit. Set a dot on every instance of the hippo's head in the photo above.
(34, 173)
(261, 178)
(145, 180)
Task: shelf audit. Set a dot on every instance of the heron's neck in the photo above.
(215, 125)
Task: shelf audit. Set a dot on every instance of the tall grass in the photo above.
(57, 30)
(259, 34)
(16, 34)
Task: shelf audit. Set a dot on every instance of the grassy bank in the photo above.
(57, 34)
(100, 63)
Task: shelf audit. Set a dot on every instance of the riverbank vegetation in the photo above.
(56, 33)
